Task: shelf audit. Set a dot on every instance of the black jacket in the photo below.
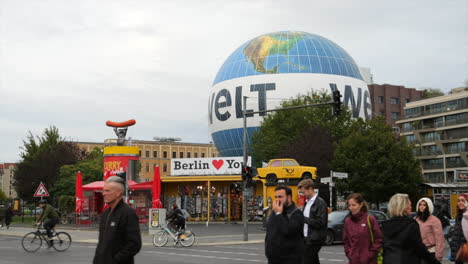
(119, 236)
(455, 236)
(317, 221)
(284, 237)
(402, 242)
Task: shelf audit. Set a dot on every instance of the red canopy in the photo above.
(156, 201)
(142, 186)
(79, 193)
(98, 185)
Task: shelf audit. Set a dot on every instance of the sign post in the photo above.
(331, 184)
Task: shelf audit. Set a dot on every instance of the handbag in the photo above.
(462, 254)
(380, 254)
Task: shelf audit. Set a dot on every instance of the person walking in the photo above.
(8, 217)
(357, 238)
(3, 212)
(402, 241)
(284, 235)
(430, 227)
(315, 215)
(458, 233)
(49, 218)
(119, 232)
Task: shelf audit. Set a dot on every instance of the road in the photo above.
(11, 252)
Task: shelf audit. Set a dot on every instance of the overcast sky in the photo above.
(77, 64)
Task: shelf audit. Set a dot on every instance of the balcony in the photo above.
(458, 164)
(433, 166)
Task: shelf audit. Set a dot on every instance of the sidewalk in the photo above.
(213, 234)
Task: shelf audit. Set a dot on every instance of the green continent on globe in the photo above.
(260, 48)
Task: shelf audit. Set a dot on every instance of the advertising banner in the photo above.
(116, 164)
(208, 166)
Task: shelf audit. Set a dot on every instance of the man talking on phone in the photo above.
(285, 235)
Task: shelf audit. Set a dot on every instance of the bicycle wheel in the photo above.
(160, 239)
(61, 241)
(187, 238)
(31, 242)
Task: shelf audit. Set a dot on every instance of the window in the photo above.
(289, 163)
(147, 153)
(147, 166)
(174, 154)
(165, 167)
(188, 154)
(382, 113)
(276, 163)
(203, 155)
(395, 115)
(181, 155)
(394, 100)
(195, 155)
(165, 154)
(155, 154)
(381, 99)
(139, 153)
(408, 100)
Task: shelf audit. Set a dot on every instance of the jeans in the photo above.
(311, 253)
(49, 224)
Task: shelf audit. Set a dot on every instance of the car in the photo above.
(37, 211)
(286, 169)
(336, 221)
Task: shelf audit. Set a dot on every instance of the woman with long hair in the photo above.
(430, 227)
(458, 233)
(358, 244)
(402, 241)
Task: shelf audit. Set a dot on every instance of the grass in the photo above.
(27, 219)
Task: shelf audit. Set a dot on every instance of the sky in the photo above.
(76, 64)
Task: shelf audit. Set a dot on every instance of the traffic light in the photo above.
(122, 175)
(336, 103)
(245, 172)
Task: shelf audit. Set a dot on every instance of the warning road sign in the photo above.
(41, 191)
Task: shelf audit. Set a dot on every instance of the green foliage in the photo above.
(378, 163)
(3, 195)
(280, 129)
(66, 204)
(91, 170)
(41, 160)
(432, 92)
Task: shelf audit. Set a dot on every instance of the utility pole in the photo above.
(244, 183)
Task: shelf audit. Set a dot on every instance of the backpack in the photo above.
(185, 214)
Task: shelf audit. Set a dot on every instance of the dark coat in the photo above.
(9, 216)
(317, 221)
(119, 236)
(284, 237)
(357, 239)
(455, 236)
(402, 242)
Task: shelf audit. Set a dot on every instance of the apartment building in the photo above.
(389, 101)
(6, 179)
(438, 128)
(160, 152)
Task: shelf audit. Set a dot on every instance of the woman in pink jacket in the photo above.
(430, 226)
(356, 235)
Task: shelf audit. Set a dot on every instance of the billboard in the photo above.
(207, 166)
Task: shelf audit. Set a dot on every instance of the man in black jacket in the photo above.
(315, 222)
(119, 231)
(283, 240)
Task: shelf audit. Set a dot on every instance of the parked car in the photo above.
(286, 169)
(336, 224)
(37, 211)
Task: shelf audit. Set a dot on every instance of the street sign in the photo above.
(332, 184)
(341, 175)
(41, 191)
(325, 180)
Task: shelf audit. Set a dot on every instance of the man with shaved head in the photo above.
(119, 232)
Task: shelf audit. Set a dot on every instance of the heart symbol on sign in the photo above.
(218, 163)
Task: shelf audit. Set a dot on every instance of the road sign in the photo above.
(41, 191)
(325, 180)
(341, 175)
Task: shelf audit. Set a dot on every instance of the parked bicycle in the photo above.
(186, 238)
(32, 241)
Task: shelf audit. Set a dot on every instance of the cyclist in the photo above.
(176, 219)
(49, 216)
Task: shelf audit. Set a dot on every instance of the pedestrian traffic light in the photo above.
(245, 172)
(336, 103)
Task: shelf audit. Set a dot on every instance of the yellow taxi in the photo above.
(286, 169)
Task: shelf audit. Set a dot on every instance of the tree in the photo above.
(41, 160)
(432, 92)
(91, 169)
(281, 130)
(379, 165)
(3, 195)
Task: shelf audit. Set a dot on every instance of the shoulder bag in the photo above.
(380, 254)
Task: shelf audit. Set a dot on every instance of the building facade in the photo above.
(389, 101)
(6, 179)
(438, 129)
(159, 153)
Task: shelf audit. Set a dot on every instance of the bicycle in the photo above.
(32, 241)
(186, 238)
